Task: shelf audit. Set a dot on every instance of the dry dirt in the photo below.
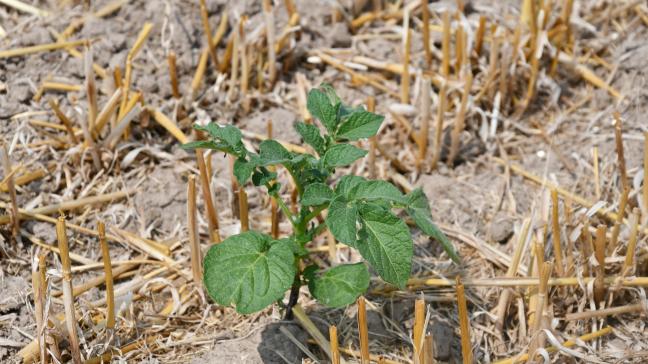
(477, 202)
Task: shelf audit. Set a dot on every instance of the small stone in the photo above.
(500, 228)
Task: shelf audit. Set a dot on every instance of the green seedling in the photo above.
(252, 270)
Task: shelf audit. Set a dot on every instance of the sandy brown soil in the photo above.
(479, 204)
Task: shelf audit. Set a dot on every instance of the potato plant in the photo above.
(252, 270)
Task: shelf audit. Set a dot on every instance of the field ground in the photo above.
(539, 117)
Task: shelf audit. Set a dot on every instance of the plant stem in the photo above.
(294, 296)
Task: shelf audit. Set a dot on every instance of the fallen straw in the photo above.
(70, 205)
(64, 120)
(362, 328)
(39, 48)
(168, 124)
(612, 311)
(68, 296)
(26, 8)
(567, 344)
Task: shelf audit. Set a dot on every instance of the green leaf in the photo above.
(341, 155)
(262, 175)
(361, 124)
(316, 194)
(377, 191)
(272, 152)
(311, 135)
(341, 220)
(340, 286)
(203, 144)
(330, 93)
(227, 139)
(385, 243)
(321, 107)
(346, 185)
(249, 270)
(243, 170)
(419, 210)
(228, 133)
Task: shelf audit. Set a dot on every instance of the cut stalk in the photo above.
(15, 213)
(245, 67)
(464, 323)
(445, 47)
(405, 76)
(38, 288)
(362, 328)
(460, 119)
(194, 238)
(68, 297)
(538, 340)
(371, 107)
(234, 69)
(555, 234)
(479, 37)
(173, 74)
(270, 40)
(599, 251)
(243, 209)
(210, 42)
(505, 297)
(426, 32)
(417, 334)
(91, 88)
(617, 224)
(212, 216)
(438, 139)
(422, 138)
(335, 352)
(597, 175)
(110, 293)
(645, 176)
(628, 263)
(618, 135)
(107, 111)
